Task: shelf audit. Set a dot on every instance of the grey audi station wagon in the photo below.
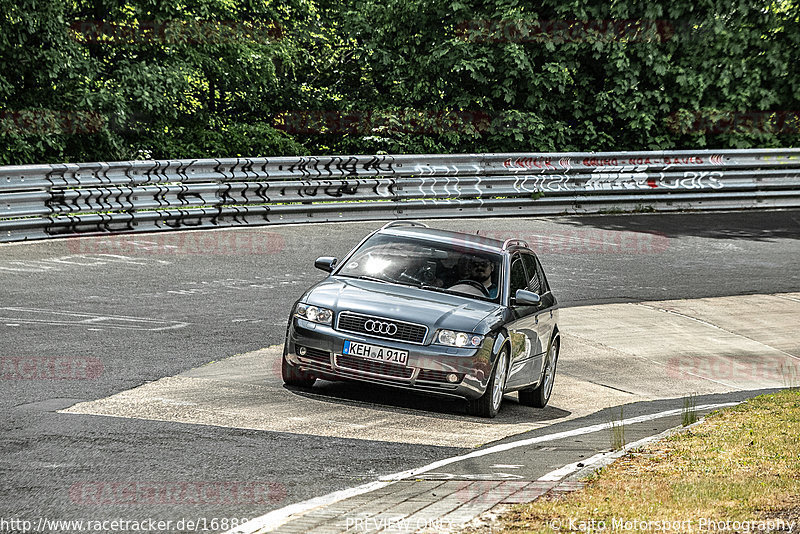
(431, 311)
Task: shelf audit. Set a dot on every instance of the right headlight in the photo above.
(315, 314)
(458, 339)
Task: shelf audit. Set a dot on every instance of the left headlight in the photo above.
(315, 314)
(458, 339)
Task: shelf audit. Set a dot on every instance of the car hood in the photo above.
(404, 303)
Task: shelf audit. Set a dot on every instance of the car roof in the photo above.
(472, 241)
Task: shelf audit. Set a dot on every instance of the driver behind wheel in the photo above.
(482, 271)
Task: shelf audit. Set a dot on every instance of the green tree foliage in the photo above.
(115, 79)
(587, 75)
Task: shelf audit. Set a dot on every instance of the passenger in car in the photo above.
(447, 269)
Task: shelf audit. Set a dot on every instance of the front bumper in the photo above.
(426, 371)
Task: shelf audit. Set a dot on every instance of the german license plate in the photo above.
(373, 352)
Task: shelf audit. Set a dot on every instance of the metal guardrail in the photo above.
(41, 201)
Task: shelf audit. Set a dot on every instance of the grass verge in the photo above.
(739, 465)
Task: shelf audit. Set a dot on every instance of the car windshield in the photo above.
(427, 264)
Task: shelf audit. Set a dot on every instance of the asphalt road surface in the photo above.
(94, 317)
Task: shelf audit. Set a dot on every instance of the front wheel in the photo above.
(292, 376)
(540, 395)
(488, 404)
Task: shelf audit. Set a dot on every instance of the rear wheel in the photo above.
(488, 404)
(540, 395)
(292, 376)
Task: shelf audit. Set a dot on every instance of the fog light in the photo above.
(452, 378)
(302, 351)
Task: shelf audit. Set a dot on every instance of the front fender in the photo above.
(500, 341)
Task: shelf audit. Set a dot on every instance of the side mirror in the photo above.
(527, 298)
(325, 263)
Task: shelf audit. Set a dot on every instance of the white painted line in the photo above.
(276, 518)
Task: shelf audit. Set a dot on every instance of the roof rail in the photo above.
(404, 223)
(508, 243)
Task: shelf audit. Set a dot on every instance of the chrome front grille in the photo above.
(389, 328)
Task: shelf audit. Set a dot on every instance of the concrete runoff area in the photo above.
(612, 354)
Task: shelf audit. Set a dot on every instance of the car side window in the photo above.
(535, 282)
(518, 278)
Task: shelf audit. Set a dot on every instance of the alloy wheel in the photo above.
(499, 381)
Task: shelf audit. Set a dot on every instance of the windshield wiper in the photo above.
(452, 292)
(439, 289)
(364, 277)
(383, 280)
(372, 278)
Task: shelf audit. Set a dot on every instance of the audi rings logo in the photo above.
(379, 327)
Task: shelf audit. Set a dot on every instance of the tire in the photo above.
(539, 396)
(292, 376)
(488, 404)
